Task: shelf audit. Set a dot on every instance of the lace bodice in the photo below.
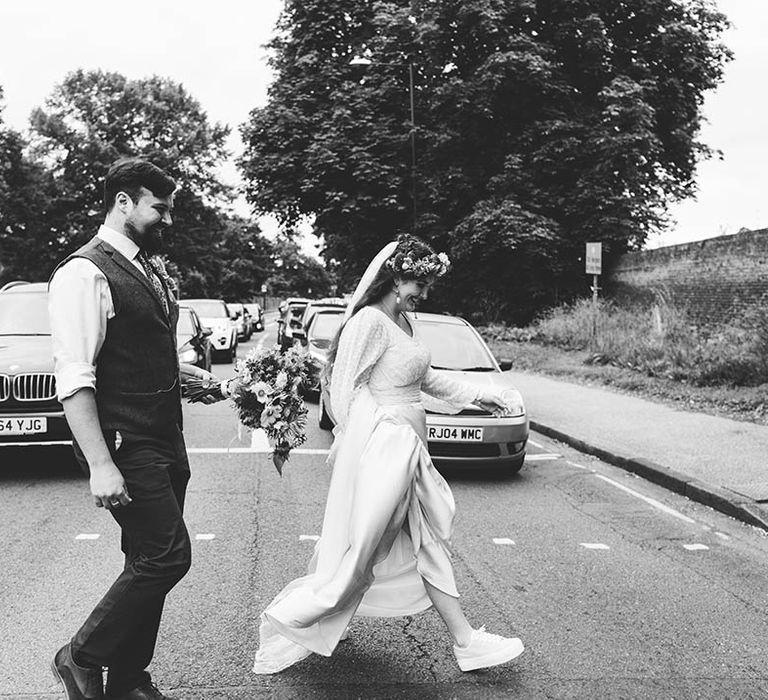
(375, 351)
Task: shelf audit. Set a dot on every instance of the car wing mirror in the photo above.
(205, 331)
(505, 364)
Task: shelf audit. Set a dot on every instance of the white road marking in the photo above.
(219, 450)
(534, 443)
(87, 536)
(502, 540)
(205, 536)
(260, 344)
(251, 450)
(695, 547)
(578, 466)
(650, 501)
(542, 457)
(313, 538)
(594, 545)
(259, 441)
(723, 536)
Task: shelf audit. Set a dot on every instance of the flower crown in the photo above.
(406, 264)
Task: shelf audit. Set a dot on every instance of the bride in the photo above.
(384, 547)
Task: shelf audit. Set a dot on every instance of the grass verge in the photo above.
(657, 354)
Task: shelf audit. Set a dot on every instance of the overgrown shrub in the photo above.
(661, 340)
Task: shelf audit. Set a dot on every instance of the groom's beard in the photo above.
(150, 239)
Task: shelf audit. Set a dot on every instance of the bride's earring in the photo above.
(397, 298)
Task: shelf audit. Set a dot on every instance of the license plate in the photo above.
(29, 425)
(450, 433)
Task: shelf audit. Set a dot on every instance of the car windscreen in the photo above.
(185, 325)
(208, 309)
(24, 313)
(454, 347)
(324, 328)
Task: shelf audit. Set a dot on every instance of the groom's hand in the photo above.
(192, 375)
(108, 486)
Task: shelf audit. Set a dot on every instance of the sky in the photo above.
(215, 49)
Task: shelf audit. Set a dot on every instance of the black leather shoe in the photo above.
(79, 683)
(147, 691)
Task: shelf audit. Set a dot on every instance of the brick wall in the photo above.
(714, 278)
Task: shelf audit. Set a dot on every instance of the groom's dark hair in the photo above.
(129, 175)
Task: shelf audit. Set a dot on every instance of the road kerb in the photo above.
(721, 499)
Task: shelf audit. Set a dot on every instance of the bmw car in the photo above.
(472, 436)
(30, 413)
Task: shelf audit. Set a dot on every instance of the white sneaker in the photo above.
(485, 649)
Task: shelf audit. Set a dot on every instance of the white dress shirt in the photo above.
(79, 305)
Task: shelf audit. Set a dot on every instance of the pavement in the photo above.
(720, 462)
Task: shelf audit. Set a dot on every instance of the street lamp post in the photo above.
(363, 62)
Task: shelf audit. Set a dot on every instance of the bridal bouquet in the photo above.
(265, 392)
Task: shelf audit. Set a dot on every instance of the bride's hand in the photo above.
(492, 402)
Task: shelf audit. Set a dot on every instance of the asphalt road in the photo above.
(618, 588)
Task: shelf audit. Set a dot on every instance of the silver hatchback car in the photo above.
(473, 436)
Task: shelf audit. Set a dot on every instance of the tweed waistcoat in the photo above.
(137, 369)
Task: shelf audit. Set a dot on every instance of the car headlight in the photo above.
(514, 402)
(189, 355)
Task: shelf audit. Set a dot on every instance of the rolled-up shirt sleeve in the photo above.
(79, 305)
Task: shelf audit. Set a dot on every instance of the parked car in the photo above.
(241, 318)
(213, 313)
(193, 339)
(313, 307)
(320, 334)
(290, 319)
(30, 413)
(257, 317)
(474, 435)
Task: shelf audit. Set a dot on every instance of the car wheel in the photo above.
(325, 421)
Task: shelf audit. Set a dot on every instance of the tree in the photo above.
(24, 198)
(539, 125)
(296, 274)
(93, 118)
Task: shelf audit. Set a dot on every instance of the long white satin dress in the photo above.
(389, 515)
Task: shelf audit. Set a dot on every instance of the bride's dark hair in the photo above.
(407, 245)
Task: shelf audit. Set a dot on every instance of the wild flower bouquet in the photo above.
(265, 392)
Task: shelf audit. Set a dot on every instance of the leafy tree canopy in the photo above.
(296, 274)
(93, 118)
(539, 125)
(24, 194)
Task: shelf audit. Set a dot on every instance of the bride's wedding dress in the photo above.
(389, 515)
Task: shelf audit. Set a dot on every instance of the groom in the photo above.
(113, 326)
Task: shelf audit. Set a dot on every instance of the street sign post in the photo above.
(594, 265)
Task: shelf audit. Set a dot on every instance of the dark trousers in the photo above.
(121, 631)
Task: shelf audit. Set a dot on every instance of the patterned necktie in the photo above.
(154, 279)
